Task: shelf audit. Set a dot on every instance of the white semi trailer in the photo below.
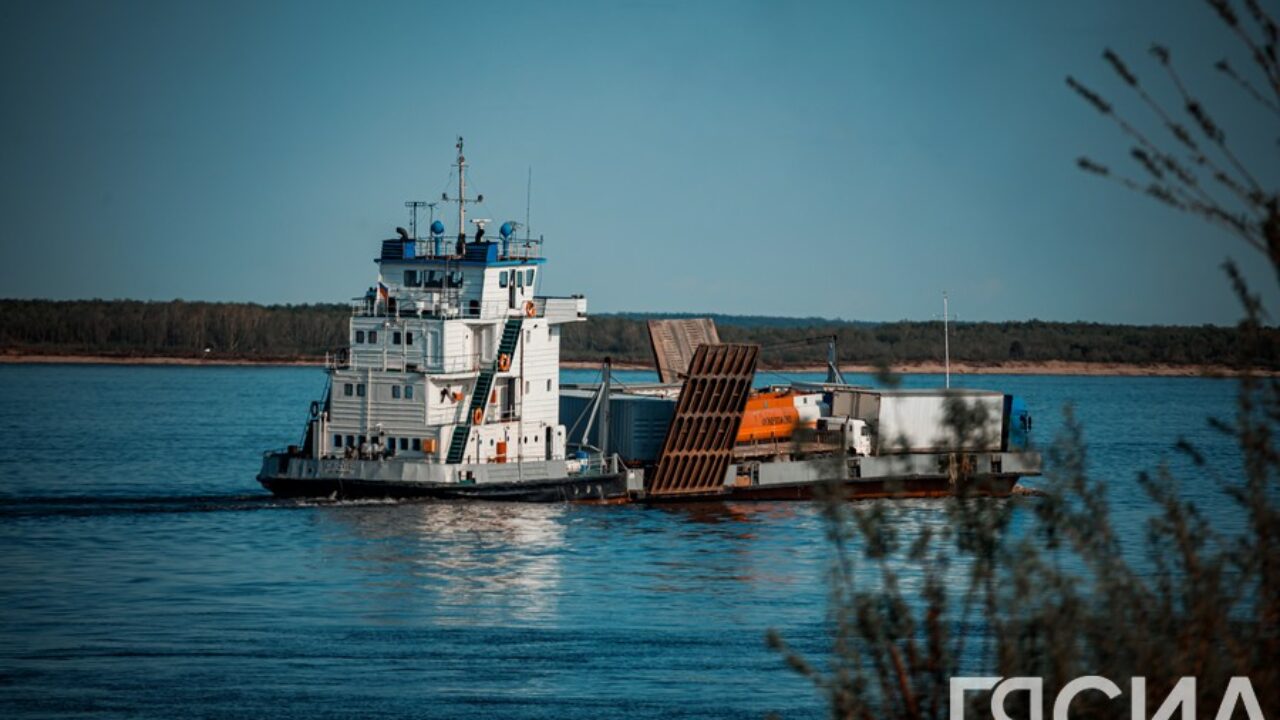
(890, 422)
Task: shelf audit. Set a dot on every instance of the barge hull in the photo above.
(881, 488)
(594, 489)
(288, 475)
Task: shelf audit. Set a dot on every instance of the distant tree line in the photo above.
(244, 330)
(899, 342)
(176, 328)
(744, 320)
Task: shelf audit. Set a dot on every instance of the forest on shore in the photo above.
(128, 328)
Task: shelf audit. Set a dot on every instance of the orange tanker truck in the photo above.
(775, 414)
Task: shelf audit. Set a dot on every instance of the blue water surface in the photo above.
(144, 573)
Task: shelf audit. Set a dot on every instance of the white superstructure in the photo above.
(453, 355)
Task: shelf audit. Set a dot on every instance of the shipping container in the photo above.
(638, 424)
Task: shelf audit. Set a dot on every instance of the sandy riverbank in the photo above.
(1053, 367)
(1050, 367)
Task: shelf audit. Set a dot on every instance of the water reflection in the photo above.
(489, 564)
(734, 514)
(459, 563)
(473, 564)
(806, 552)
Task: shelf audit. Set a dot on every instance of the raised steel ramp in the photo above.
(699, 444)
(674, 342)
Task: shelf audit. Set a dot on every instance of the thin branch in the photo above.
(1225, 68)
(1179, 133)
(1210, 128)
(1168, 195)
(1173, 165)
(1268, 65)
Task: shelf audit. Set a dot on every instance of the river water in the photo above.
(144, 573)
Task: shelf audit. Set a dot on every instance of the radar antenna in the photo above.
(413, 206)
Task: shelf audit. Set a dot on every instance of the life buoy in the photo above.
(530, 309)
(315, 408)
(504, 362)
(477, 417)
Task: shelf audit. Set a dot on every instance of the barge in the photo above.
(449, 388)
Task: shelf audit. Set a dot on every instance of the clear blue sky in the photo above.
(847, 159)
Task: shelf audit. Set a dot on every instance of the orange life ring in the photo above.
(477, 417)
(504, 362)
(530, 309)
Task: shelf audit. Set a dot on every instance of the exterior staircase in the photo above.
(484, 384)
(510, 337)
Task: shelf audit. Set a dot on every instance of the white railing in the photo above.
(446, 309)
(597, 464)
(444, 248)
(436, 364)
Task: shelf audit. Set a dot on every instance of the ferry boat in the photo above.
(450, 388)
(450, 385)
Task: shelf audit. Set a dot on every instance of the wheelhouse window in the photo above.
(434, 278)
(417, 444)
(347, 389)
(519, 279)
(396, 337)
(502, 279)
(412, 279)
(404, 443)
(408, 392)
(337, 441)
(528, 277)
(360, 390)
(408, 338)
(395, 392)
(359, 336)
(373, 336)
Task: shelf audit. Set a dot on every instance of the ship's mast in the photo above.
(946, 337)
(462, 191)
(462, 194)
